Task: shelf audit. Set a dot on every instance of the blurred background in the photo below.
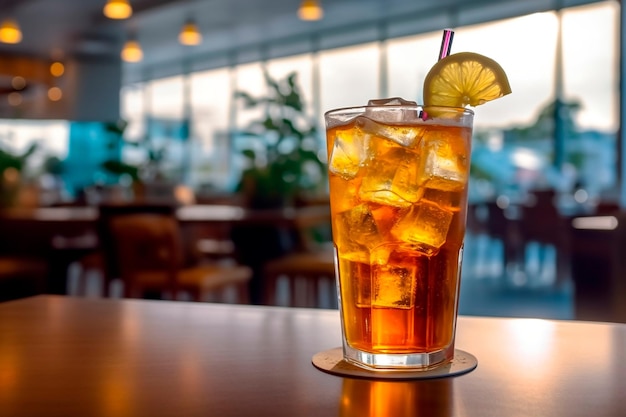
(184, 103)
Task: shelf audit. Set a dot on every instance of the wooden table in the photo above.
(186, 214)
(70, 357)
(61, 235)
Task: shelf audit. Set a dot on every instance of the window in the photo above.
(166, 147)
(133, 109)
(302, 65)
(249, 79)
(211, 102)
(525, 47)
(590, 77)
(349, 76)
(51, 137)
(408, 62)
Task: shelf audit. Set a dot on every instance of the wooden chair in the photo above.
(306, 276)
(149, 254)
(21, 276)
(542, 223)
(24, 256)
(305, 279)
(103, 259)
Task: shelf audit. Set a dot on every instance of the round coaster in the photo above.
(331, 361)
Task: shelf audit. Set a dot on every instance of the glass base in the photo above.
(332, 362)
(398, 361)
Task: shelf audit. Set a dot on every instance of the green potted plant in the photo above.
(116, 166)
(11, 170)
(285, 167)
(149, 177)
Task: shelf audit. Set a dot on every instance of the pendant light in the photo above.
(310, 10)
(55, 94)
(189, 33)
(10, 32)
(132, 51)
(57, 69)
(117, 9)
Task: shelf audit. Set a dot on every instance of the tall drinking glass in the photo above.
(398, 198)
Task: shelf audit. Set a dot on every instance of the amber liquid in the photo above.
(399, 241)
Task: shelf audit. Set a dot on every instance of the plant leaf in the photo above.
(249, 101)
(249, 153)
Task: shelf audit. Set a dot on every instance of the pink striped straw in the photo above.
(446, 43)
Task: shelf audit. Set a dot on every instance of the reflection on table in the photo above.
(70, 357)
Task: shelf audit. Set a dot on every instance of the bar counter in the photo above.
(63, 356)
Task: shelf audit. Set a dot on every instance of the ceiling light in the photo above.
(117, 9)
(55, 94)
(18, 83)
(189, 34)
(310, 10)
(14, 99)
(57, 69)
(10, 32)
(132, 51)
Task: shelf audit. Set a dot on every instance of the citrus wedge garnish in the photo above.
(463, 79)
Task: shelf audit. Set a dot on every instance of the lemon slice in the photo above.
(463, 79)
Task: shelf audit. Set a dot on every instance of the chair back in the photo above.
(107, 242)
(148, 247)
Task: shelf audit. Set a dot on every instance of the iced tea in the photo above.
(398, 197)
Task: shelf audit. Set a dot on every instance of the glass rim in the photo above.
(363, 109)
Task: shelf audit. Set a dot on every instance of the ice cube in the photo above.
(448, 200)
(380, 254)
(385, 217)
(391, 115)
(374, 237)
(349, 152)
(394, 282)
(423, 227)
(391, 176)
(444, 163)
(336, 119)
(357, 233)
(358, 275)
(355, 253)
(405, 135)
(347, 189)
(392, 101)
(363, 231)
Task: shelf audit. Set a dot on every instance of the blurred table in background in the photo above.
(54, 235)
(62, 235)
(258, 236)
